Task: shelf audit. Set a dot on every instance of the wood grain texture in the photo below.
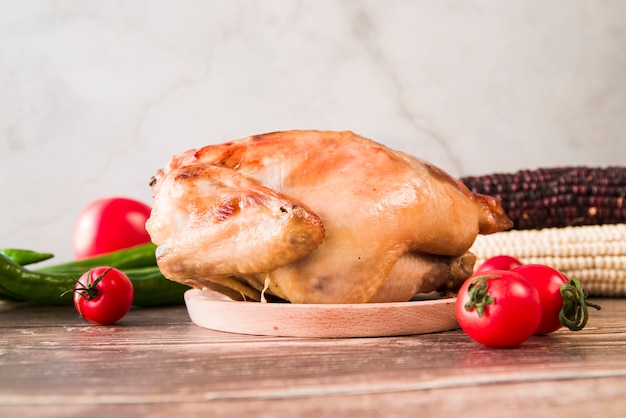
(214, 311)
(156, 362)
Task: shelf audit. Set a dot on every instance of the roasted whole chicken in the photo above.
(315, 217)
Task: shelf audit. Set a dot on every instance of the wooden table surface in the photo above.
(157, 363)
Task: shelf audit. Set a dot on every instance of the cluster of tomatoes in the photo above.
(104, 295)
(505, 302)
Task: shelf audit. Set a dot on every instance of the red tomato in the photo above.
(110, 224)
(499, 262)
(103, 295)
(548, 282)
(498, 308)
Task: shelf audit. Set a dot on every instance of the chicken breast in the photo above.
(315, 217)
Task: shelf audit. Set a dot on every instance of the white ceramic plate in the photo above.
(212, 310)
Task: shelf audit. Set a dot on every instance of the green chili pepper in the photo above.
(25, 257)
(47, 285)
(134, 257)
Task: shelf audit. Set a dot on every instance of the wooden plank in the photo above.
(593, 398)
(51, 357)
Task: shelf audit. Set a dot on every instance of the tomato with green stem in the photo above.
(103, 295)
(563, 302)
(498, 308)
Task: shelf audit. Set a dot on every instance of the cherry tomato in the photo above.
(110, 224)
(548, 282)
(499, 262)
(498, 308)
(103, 295)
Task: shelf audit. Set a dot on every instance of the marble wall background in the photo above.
(95, 96)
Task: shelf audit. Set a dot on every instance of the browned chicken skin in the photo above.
(315, 217)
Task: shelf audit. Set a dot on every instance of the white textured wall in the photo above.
(96, 95)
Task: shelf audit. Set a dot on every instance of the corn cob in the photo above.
(594, 254)
(557, 197)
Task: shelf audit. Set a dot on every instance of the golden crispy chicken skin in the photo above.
(315, 217)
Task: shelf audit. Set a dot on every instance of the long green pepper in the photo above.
(46, 286)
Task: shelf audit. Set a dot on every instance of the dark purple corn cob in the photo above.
(557, 197)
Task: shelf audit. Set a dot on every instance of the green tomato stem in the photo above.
(90, 291)
(574, 313)
(478, 296)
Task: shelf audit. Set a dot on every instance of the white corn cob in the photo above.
(596, 254)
